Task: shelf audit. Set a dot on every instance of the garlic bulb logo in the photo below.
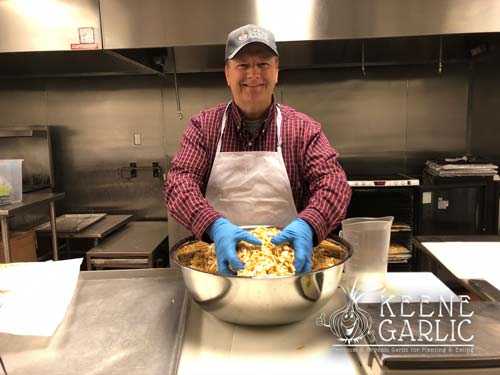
(350, 323)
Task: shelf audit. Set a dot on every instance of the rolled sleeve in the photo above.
(202, 221)
(316, 221)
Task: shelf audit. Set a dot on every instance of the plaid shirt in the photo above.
(318, 182)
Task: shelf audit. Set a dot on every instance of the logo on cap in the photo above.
(243, 37)
(258, 34)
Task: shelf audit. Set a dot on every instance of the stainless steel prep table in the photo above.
(96, 232)
(30, 200)
(118, 322)
(132, 247)
(123, 322)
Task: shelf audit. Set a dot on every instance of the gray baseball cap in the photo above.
(239, 38)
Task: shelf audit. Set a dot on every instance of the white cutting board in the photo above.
(469, 260)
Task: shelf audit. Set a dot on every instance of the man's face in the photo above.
(252, 75)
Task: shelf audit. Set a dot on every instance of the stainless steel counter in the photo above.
(132, 322)
(118, 322)
(212, 346)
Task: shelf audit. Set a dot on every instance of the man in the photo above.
(253, 161)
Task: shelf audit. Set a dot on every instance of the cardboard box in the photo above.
(22, 247)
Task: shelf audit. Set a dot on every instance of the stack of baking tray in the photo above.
(400, 240)
(118, 322)
(399, 253)
(460, 167)
(72, 223)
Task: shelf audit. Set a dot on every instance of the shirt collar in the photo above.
(237, 117)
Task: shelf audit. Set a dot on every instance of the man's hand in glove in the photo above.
(300, 235)
(226, 237)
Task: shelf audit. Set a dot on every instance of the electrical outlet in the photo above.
(133, 170)
(156, 169)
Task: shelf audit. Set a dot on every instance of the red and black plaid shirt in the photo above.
(318, 182)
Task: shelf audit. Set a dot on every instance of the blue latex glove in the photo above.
(226, 237)
(300, 235)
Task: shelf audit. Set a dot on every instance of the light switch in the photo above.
(426, 197)
(137, 139)
(443, 204)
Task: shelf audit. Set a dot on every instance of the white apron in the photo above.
(251, 188)
(247, 188)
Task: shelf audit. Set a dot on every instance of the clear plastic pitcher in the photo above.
(370, 238)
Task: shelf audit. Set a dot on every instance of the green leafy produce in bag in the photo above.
(5, 187)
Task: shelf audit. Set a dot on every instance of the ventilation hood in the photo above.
(81, 63)
(166, 23)
(102, 37)
(63, 38)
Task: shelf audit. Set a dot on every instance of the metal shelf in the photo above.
(29, 200)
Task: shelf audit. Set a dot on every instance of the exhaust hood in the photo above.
(49, 25)
(63, 38)
(174, 23)
(107, 37)
(81, 63)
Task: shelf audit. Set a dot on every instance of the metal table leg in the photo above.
(53, 230)
(3, 366)
(5, 238)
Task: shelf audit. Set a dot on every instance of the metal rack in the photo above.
(389, 200)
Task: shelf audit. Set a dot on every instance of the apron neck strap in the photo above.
(278, 127)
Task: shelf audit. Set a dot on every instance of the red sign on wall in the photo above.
(77, 46)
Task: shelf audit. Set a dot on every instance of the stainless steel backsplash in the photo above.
(389, 121)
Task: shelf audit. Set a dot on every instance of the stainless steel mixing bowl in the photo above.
(263, 300)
